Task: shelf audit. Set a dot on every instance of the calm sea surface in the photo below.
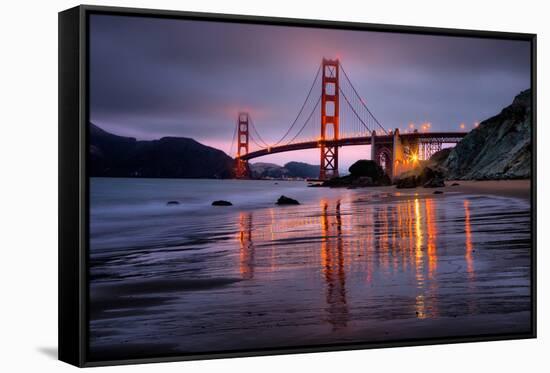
(344, 266)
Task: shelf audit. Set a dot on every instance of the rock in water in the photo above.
(455, 184)
(499, 148)
(222, 203)
(438, 192)
(283, 200)
(172, 203)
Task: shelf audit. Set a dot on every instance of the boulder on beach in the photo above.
(436, 182)
(222, 203)
(284, 200)
(431, 177)
(406, 182)
(172, 203)
(363, 173)
(455, 184)
(428, 177)
(438, 192)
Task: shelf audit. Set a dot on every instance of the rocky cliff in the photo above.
(499, 148)
(168, 157)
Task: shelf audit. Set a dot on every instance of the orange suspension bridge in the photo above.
(333, 115)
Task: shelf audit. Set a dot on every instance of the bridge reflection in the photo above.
(246, 249)
(333, 265)
(351, 238)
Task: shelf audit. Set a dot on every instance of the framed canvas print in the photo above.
(239, 186)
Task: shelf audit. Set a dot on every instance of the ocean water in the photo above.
(345, 266)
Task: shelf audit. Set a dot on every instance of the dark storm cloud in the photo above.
(159, 77)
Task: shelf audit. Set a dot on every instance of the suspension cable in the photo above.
(360, 100)
(257, 133)
(355, 112)
(301, 109)
(306, 122)
(255, 142)
(233, 140)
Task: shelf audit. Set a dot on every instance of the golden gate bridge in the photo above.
(345, 120)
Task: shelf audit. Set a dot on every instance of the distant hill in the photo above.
(290, 170)
(499, 148)
(168, 157)
(300, 169)
(260, 170)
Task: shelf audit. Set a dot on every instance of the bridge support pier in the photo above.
(329, 119)
(381, 152)
(405, 153)
(398, 158)
(373, 147)
(241, 167)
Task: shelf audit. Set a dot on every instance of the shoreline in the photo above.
(502, 188)
(520, 189)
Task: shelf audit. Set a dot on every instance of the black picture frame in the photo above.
(73, 180)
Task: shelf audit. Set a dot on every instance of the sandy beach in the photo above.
(505, 188)
(499, 188)
(345, 266)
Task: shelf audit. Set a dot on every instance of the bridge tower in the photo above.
(241, 169)
(330, 109)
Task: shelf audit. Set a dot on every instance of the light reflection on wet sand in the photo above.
(353, 268)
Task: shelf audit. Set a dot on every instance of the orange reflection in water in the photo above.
(246, 251)
(431, 226)
(419, 238)
(333, 266)
(375, 240)
(422, 223)
(419, 260)
(469, 246)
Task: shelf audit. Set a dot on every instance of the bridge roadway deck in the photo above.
(444, 137)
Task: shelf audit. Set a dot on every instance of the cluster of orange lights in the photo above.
(426, 127)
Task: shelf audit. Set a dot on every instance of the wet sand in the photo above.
(505, 188)
(499, 188)
(346, 266)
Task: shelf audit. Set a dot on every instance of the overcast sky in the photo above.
(151, 78)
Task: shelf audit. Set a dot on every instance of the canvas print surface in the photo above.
(261, 187)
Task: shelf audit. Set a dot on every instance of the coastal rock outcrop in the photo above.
(284, 200)
(428, 177)
(432, 177)
(406, 182)
(222, 203)
(363, 173)
(499, 148)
